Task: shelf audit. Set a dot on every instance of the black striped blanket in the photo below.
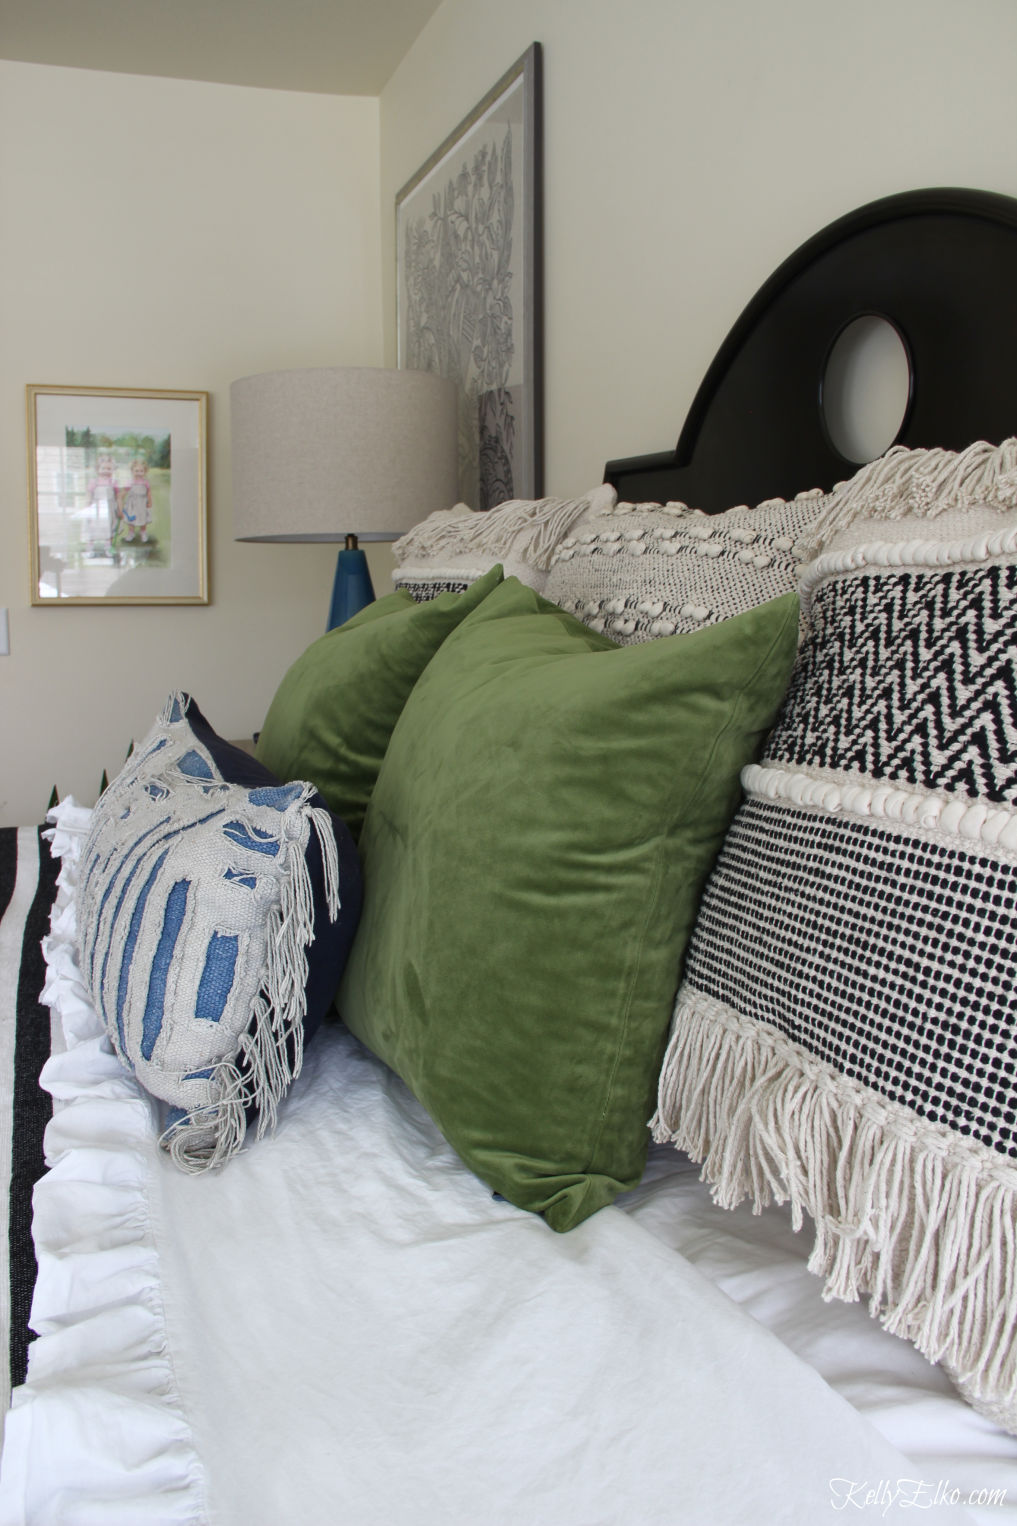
(27, 887)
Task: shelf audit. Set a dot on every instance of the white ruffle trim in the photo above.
(973, 822)
(99, 1417)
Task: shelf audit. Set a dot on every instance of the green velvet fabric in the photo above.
(333, 713)
(546, 814)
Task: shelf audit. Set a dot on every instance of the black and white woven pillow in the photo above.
(640, 570)
(846, 1034)
(452, 548)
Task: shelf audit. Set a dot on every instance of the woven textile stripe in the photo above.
(852, 941)
(8, 866)
(422, 589)
(910, 676)
(27, 885)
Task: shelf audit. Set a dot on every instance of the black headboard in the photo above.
(941, 265)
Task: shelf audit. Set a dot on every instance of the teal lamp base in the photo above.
(352, 589)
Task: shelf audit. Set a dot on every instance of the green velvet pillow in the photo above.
(333, 713)
(548, 808)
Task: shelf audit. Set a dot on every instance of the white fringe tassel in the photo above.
(271, 1052)
(524, 528)
(924, 483)
(919, 1218)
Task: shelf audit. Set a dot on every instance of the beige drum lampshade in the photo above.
(322, 453)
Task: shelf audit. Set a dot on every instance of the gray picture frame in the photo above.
(469, 279)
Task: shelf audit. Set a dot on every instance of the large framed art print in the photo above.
(468, 257)
(116, 494)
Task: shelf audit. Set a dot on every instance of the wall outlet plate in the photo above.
(5, 634)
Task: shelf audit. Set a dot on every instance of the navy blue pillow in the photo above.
(332, 940)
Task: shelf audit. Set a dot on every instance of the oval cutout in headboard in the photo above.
(940, 265)
(865, 389)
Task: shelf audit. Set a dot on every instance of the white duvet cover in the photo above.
(344, 1328)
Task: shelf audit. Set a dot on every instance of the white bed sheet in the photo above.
(760, 1262)
(346, 1328)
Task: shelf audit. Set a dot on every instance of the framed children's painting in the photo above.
(468, 280)
(116, 493)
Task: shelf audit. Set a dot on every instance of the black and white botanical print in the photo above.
(458, 273)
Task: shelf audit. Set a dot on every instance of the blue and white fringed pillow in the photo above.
(216, 908)
(846, 1034)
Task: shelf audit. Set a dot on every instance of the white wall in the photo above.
(690, 145)
(161, 233)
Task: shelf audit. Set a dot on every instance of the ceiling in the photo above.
(337, 47)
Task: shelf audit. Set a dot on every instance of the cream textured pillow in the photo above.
(450, 549)
(639, 570)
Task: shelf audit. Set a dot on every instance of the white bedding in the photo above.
(344, 1328)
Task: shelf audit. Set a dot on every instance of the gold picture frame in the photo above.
(117, 495)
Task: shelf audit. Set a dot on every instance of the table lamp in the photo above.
(345, 453)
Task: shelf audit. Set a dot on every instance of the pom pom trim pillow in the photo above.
(846, 1035)
(216, 910)
(538, 836)
(640, 570)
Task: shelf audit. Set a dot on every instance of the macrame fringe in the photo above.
(271, 1052)
(174, 709)
(919, 1219)
(526, 529)
(924, 483)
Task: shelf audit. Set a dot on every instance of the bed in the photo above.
(364, 1316)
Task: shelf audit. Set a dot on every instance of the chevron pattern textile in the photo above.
(911, 676)
(846, 1036)
(422, 586)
